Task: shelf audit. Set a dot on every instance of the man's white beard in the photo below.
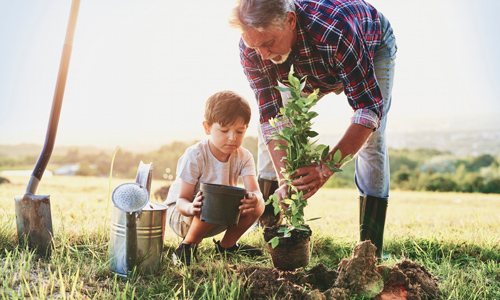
(283, 57)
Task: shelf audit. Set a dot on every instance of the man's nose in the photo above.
(232, 136)
(264, 52)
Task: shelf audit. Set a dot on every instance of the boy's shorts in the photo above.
(180, 224)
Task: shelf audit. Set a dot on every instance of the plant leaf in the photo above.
(283, 89)
(337, 156)
(346, 159)
(293, 80)
(274, 241)
(301, 228)
(325, 152)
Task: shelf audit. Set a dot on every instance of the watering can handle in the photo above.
(145, 175)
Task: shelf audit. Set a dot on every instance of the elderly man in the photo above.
(341, 46)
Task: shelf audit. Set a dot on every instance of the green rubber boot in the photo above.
(372, 212)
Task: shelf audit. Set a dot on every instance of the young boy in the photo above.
(220, 159)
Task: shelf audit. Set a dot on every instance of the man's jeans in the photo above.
(372, 175)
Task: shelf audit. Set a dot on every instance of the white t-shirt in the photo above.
(198, 165)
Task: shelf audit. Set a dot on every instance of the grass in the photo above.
(456, 236)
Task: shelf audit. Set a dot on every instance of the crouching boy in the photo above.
(220, 159)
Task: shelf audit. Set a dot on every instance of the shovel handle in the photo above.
(50, 138)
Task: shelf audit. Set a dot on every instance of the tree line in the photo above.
(411, 169)
(434, 170)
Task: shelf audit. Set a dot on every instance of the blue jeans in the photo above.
(372, 176)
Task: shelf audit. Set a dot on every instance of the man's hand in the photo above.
(282, 192)
(311, 178)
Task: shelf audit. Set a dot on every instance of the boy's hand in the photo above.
(249, 203)
(196, 205)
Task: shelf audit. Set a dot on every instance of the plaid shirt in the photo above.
(336, 43)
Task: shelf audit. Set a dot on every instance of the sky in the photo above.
(141, 71)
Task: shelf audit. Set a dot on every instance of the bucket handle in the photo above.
(145, 175)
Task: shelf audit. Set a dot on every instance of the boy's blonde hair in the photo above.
(225, 107)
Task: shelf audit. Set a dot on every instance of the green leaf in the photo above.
(312, 114)
(287, 132)
(337, 156)
(276, 210)
(274, 241)
(282, 229)
(303, 84)
(314, 219)
(346, 159)
(301, 228)
(293, 80)
(312, 134)
(331, 165)
(283, 89)
(325, 152)
(293, 106)
(287, 201)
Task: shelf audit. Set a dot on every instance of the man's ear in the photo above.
(291, 19)
(206, 127)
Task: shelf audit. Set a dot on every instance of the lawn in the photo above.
(456, 236)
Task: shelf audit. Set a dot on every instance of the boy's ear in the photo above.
(206, 127)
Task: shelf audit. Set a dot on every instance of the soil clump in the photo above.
(295, 235)
(357, 275)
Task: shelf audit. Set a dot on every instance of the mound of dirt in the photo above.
(357, 275)
(408, 280)
(265, 282)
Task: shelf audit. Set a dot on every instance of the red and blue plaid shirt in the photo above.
(336, 44)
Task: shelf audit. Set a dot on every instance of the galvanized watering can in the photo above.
(137, 227)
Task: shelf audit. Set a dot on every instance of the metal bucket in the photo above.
(148, 248)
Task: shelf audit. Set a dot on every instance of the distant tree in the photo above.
(492, 186)
(437, 182)
(402, 175)
(481, 161)
(439, 164)
(471, 183)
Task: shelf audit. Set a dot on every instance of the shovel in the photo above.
(33, 216)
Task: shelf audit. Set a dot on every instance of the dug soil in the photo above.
(356, 276)
(296, 236)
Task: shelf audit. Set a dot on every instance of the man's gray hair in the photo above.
(260, 14)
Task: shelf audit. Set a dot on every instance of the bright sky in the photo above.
(140, 71)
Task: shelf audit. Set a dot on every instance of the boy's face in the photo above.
(225, 139)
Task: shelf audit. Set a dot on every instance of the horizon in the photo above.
(128, 64)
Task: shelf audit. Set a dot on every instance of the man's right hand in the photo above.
(282, 192)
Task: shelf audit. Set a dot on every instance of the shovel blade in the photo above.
(34, 223)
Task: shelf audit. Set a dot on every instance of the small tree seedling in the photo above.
(300, 152)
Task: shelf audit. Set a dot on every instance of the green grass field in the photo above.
(456, 236)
